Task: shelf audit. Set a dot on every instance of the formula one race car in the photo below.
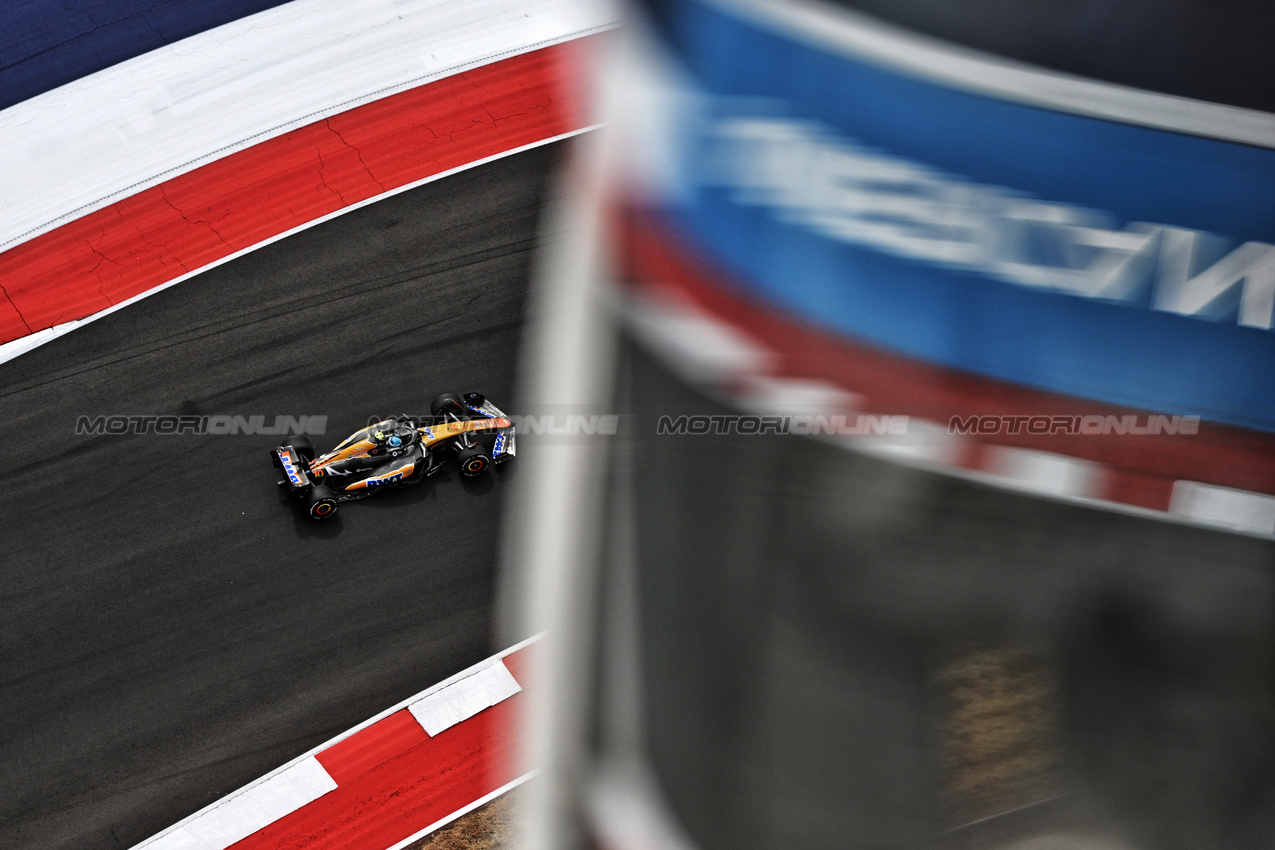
(396, 452)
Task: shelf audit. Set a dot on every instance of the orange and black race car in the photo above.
(396, 452)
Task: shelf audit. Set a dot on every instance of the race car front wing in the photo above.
(505, 445)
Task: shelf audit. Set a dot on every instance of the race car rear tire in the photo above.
(473, 461)
(320, 503)
(444, 401)
(300, 445)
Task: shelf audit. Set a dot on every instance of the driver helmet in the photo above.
(395, 440)
(378, 436)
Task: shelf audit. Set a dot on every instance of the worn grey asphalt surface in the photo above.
(170, 626)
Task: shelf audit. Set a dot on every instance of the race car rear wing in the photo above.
(293, 466)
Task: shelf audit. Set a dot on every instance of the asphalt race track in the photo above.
(172, 627)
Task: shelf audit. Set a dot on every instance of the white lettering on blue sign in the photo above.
(833, 185)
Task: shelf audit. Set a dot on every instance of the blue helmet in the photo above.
(395, 440)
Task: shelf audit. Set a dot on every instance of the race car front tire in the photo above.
(445, 401)
(321, 502)
(473, 461)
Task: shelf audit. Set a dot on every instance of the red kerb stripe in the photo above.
(237, 202)
(374, 745)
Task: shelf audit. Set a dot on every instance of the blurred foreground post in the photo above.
(941, 508)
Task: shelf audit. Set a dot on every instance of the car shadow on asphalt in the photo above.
(322, 529)
(480, 485)
(442, 484)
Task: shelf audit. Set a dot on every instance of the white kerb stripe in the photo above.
(111, 134)
(23, 344)
(925, 442)
(1223, 506)
(796, 396)
(1044, 472)
(724, 351)
(463, 699)
(179, 839)
(254, 809)
(702, 348)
